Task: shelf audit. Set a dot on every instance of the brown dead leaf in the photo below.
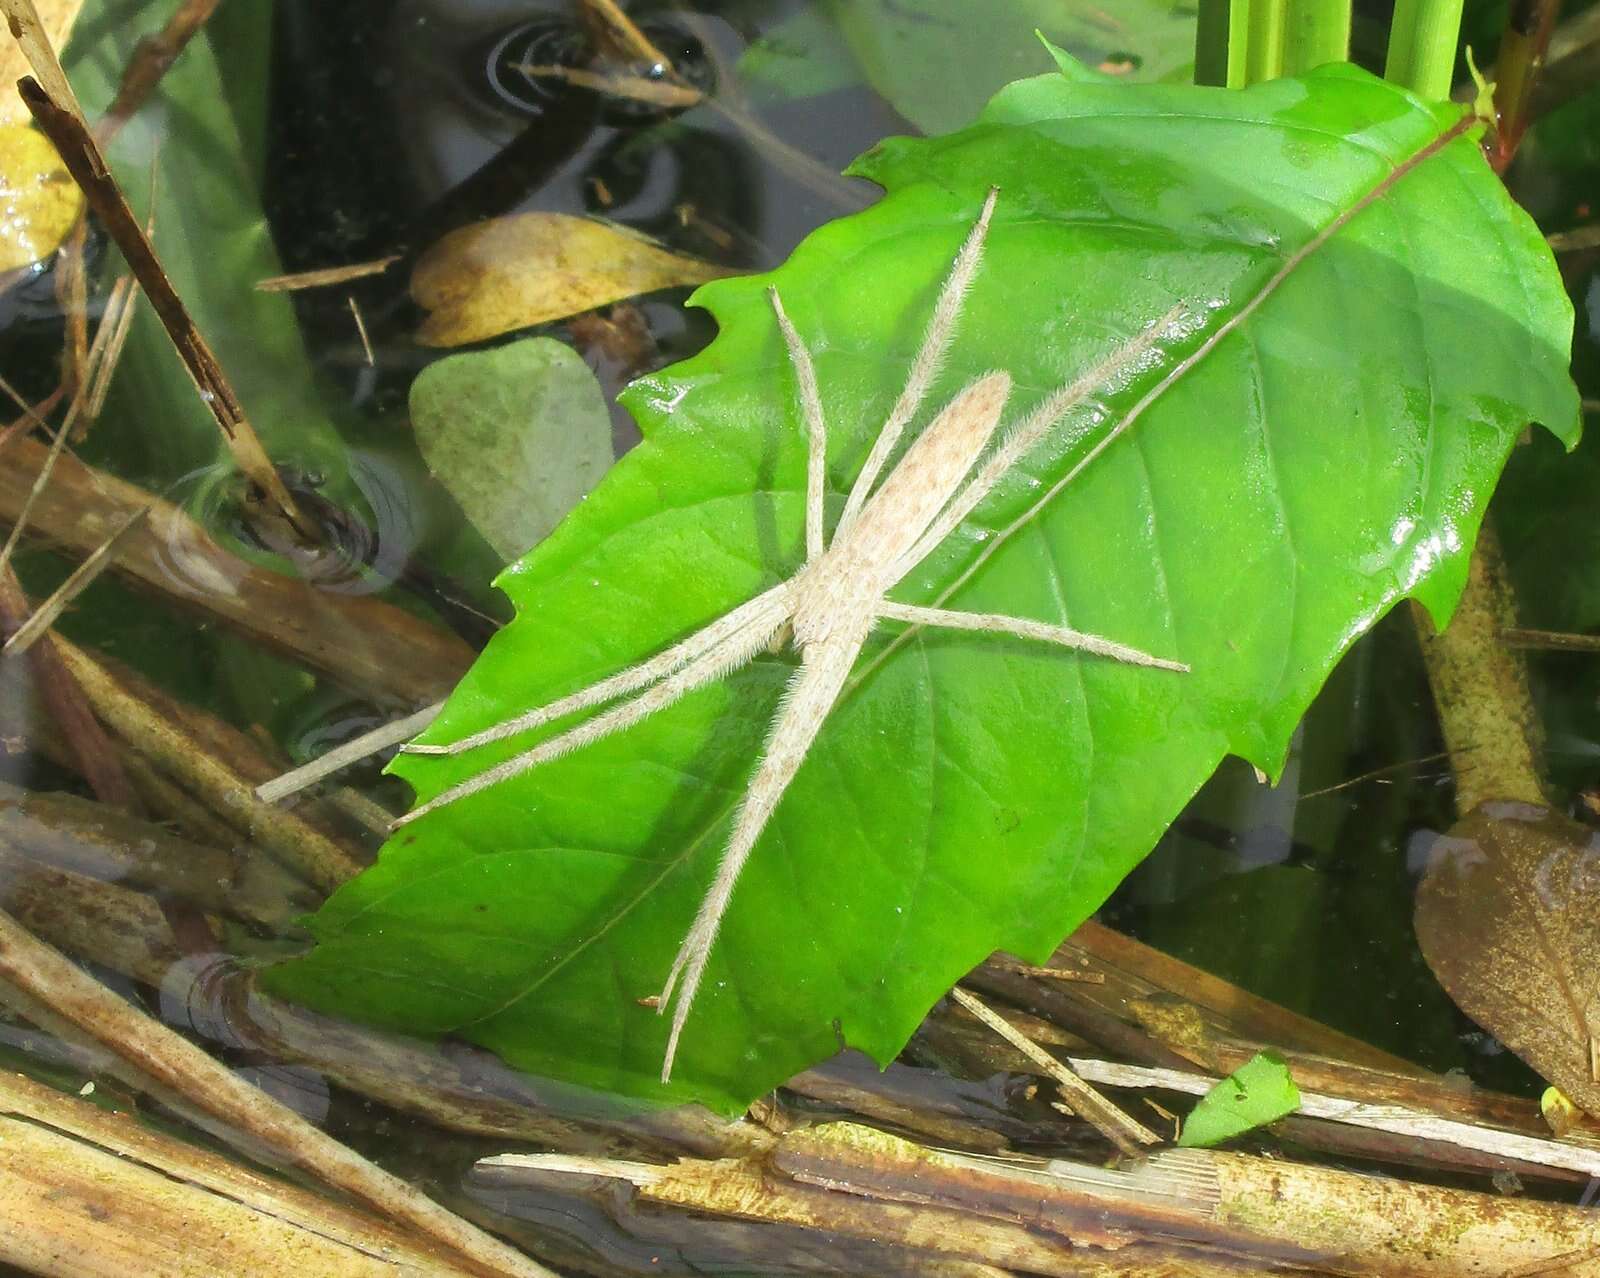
(1508, 917)
(39, 201)
(512, 272)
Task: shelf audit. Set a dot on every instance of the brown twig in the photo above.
(47, 978)
(171, 747)
(1551, 640)
(1516, 72)
(125, 852)
(371, 647)
(615, 35)
(68, 705)
(1123, 1131)
(151, 59)
(326, 275)
(64, 126)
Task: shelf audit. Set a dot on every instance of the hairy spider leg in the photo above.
(632, 679)
(999, 623)
(925, 364)
(1023, 437)
(810, 695)
(816, 429)
(731, 653)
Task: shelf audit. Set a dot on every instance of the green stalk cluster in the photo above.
(1242, 42)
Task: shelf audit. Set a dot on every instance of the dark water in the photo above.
(373, 128)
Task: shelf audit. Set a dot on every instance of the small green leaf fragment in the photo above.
(517, 434)
(1257, 1093)
(1069, 66)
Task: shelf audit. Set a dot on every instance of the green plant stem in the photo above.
(1267, 23)
(1317, 31)
(1211, 43)
(1422, 46)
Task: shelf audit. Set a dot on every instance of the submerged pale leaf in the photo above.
(512, 272)
(1366, 322)
(518, 435)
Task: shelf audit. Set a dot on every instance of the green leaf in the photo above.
(938, 61)
(518, 434)
(1370, 321)
(1257, 1093)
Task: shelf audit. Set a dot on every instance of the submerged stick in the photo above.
(362, 643)
(46, 977)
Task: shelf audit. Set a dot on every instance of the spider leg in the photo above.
(1021, 439)
(810, 695)
(732, 652)
(816, 429)
(1022, 627)
(630, 680)
(925, 366)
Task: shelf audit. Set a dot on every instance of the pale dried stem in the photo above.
(123, 303)
(657, 93)
(327, 275)
(340, 757)
(34, 38)
(44, 616)
(361, 331)
(616, 32)
(1191, 1212)
(176, 1064)
(1126, 1133)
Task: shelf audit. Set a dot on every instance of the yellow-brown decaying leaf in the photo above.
(512, 272)
(1508, 917)
(57, 17)
(39, 202)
